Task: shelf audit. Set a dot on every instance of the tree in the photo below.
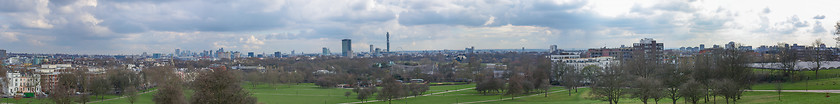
(676, 75)
(170, 90)
(63, 91)
(347, 94)
(219, 86)
(647, 88)
(516, 85)
(609, 84)
(572, 77)
(254, 77)
(100, 87)
(819, 56)
(363, 93)
(391, 89)
(417, 88)
(82, 84)
(692, 91)
(132, 94)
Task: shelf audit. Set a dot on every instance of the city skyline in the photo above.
(133, 27)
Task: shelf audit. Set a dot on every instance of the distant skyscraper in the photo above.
(730, 45)
(250, 54)
(552, 48)
(177, 52)
(346, 50)
(388, 42)
(277, 54)
(236, 54)
(371, 48)
(2, 54)
(325, 51)
(702, 46)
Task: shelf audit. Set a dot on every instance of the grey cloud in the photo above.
(766, 10)
(819, 17)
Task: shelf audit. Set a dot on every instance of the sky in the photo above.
(161, 26)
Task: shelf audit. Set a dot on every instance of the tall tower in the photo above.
(371, 49)
(345, 47)
(387, 42)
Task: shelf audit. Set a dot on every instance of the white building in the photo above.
(580, 63)
(22, 83)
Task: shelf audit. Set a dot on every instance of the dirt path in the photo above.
(121, 97)
(413, 96)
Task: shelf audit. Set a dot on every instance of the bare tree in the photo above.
(170, 90)
(676, 75)
(132, 94)
(391, 89)
(64, 89)
(609, 84)
(647, 88)
(692, 91)
(819, 56)
(220, 86)
(100, 87)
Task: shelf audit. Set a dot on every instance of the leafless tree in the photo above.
(220, 86)
(647, 88)
(609, 84)
(692, 90)
(391, 89)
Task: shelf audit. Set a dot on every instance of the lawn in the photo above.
(819, 84)
(308, 93)
(458, 97)
(825, 73)
(748, 98)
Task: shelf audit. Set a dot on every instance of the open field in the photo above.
(819, 84)
(307, 93)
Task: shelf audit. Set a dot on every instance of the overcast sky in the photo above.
(136, 26)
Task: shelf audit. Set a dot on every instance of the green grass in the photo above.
(825, 73)
(749, 98)
(819, 84)
(308, 93)
(458, 97)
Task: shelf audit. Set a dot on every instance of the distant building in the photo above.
(2, 53)
(469, 50)
(277, 54)
(552, 49)
(702, 46)
(325, 51)
(20, 83)
(346, 50)
(157, 55)
(371, 49)
(730, 45)
(251, 54)
(387, 42)
(177, 52)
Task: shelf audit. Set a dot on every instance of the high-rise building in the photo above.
(388, 42)
(730, 45)
(552, 48)
(648, 45)
(702, 46)
(346, 50)
(177, 52)
(277, 54)
(325, 51)
(237, 54)
(371, 49)
(251, 54)
(2, 54)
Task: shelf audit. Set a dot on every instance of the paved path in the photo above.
(509, 98)
(121, 97)
(819, 91)
(413, 96)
